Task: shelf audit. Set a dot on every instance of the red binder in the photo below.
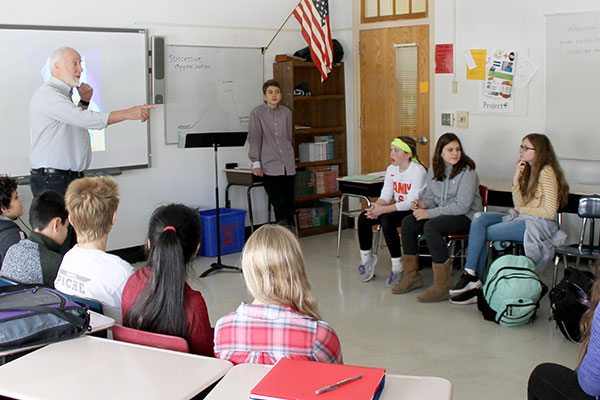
(299, 380)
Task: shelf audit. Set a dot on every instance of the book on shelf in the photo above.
(300, 380)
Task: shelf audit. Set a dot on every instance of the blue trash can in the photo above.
(232, 235)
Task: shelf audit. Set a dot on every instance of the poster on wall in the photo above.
(444, 58)
(496, 90)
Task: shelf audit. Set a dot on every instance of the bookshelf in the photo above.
(318, 117)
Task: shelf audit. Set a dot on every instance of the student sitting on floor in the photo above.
(11, 208)
(282, 321)
(404, 182)
(551, 381)
(37, 258)
(539, 187)
(156, 298)
(87, 270)
(450, 200)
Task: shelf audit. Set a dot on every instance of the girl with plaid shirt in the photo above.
(282, 321)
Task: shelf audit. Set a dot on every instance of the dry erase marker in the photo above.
(338, 384)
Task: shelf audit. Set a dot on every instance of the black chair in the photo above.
(588, 211)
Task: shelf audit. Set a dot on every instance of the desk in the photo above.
(243, 377)
(244, 177)
(95, 368)
(358, 189)
(98, 322)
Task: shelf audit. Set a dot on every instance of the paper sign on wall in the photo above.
(500, 74)
(496, 90)
(444, 58)
(525, 72)
(478, 57)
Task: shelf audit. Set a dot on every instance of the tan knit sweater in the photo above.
(545, 202)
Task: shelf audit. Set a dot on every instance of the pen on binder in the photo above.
(338, 384)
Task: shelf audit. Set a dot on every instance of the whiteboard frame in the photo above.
(261, 49)
(22, 179)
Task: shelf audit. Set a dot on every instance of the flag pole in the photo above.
(264, 49)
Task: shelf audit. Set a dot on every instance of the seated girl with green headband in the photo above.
(404, 182)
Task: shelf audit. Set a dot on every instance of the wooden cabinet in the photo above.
(315, 116)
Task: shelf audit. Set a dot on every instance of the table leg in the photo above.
(250, 209)
(227, 203)
(339, 235)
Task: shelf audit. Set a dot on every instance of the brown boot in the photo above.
(441, 284)
(411, 279)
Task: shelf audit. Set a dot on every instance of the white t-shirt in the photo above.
(404, 187)
(94, 274)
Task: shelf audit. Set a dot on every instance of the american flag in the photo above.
(313, 16)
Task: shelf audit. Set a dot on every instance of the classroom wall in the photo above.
(177, 175)
(492, 140)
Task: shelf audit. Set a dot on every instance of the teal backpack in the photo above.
(512, 291)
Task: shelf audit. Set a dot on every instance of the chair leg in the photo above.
(452, 253)
(555, 276)
(376, 248)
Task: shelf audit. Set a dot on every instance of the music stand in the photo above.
(214, 140)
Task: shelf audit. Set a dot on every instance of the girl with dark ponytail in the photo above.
(157, 298)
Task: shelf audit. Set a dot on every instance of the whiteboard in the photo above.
(572, 84)
(210, 89)
(115, 64)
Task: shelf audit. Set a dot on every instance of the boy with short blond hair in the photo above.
(87, 270)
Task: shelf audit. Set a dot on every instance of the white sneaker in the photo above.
(367, 270)
(393, 279)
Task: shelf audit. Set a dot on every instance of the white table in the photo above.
(94, 368)
(98, 322)
(238, 382)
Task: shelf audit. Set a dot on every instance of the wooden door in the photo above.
(378, 102)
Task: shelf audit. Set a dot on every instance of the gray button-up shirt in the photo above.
(59, 136)
(270, 139)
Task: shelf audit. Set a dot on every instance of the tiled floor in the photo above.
(481, 359)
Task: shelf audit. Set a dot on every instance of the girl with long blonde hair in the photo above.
(283, 321)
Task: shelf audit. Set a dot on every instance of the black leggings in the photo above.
(552, 381)
(389, 225)
(434, 229)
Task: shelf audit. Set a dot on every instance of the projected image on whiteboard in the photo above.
(91, 61)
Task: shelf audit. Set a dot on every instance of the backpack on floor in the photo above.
(512, 291)
(33, 314)
(569, 300)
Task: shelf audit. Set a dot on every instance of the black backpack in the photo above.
(569, 300)
(33, 315)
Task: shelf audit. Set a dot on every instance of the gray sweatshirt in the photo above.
(456, 196)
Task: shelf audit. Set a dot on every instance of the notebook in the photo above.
(299, 380)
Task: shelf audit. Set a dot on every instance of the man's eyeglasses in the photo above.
(525, 148)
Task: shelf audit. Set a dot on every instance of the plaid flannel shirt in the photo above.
(262, 334)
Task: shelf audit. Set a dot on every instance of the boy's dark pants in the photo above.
(280, 189)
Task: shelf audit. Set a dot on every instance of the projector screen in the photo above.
(115, 64)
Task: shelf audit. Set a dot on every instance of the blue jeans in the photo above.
(488, 227)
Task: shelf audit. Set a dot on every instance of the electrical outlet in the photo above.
(447, 119)
(462, 119)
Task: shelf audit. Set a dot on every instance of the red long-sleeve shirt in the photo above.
(199, 332)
